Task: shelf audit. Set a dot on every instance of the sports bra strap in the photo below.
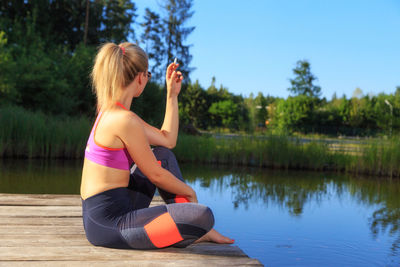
(122, 106)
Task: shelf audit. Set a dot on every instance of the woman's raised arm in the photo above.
(139, 149)
(168, 134)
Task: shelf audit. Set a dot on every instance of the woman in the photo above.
(116, 193)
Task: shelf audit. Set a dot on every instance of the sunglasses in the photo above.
(149, 75)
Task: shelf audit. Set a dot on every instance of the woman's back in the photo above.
(100, 171)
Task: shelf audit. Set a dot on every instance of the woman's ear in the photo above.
(139, 77)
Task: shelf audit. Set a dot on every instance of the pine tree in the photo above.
(177, 13)
(63, 22)
(302, 84)
(152, 37)
(118, 17)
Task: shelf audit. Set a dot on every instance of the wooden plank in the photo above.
(93, 253)
(40, 211)
(66, 241)
(49, 200)
(69, 221)
(40, 199)
(43, 240)
(41, 229)
(47, 230)
(47, 211)
(208, 248)
(154, 262)
(72, 251)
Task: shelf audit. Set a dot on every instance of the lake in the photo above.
(281, 218)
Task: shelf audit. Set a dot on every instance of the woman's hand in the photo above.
(174, 80)
(192, 197)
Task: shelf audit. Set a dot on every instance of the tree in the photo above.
(150, 106)
(303, 83)
(225, 113)
(44, 62)
(356, 113)
(251, 107)
(212, 89)
(108, 21)
(65, 18)
(193, 106)
(215, 94)
(294, 114)
(76, 70)
(261, 109)
(117, 20)
(382, 112)
(154, 42)
(242, 114)
(334, 96)
(177, 13)
(397, 92)
(357, 93)
(86, 22)
(7, 66)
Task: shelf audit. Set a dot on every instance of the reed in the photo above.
(37, 135)
(381, 157)
(376, 158)
(271, 151)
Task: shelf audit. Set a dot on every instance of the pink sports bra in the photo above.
(117, 158)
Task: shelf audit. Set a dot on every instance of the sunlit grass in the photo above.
(377, 157)
(36, 135)
(381, 157)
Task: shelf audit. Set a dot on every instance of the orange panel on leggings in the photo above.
(163, 231)
(181, 199)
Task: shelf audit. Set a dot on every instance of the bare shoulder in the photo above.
(127, 120)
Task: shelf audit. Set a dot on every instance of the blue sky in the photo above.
(252, 46)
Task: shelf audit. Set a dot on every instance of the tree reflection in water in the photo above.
(386, 194)
(387, 219)
(289, 190)
(293, 190)
(286, 189)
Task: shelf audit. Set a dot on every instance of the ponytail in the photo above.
(115, 68)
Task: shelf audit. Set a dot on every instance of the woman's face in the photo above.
(145, 78)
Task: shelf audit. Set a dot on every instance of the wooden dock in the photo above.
(47, 230)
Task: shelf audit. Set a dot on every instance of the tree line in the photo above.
(47, 49)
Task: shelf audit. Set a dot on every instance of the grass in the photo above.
(36, 135)
(381, 157)
(272, 151)
(377, 157)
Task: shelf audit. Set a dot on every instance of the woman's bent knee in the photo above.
(209, 219)
(192, 214)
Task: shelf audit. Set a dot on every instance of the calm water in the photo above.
(281, 218)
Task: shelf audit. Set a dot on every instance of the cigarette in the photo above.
(175, 61)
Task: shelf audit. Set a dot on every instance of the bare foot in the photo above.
(214, 236)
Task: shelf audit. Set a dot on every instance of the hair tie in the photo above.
(123, 49)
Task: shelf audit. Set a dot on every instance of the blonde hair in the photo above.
(115, 67)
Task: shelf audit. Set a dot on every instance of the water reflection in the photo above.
(387, 220)
(289, 190)
(292, 192)
(40, 176)
(385, 193)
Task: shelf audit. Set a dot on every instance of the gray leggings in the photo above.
(121, 217)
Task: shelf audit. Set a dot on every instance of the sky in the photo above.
(252, 46)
